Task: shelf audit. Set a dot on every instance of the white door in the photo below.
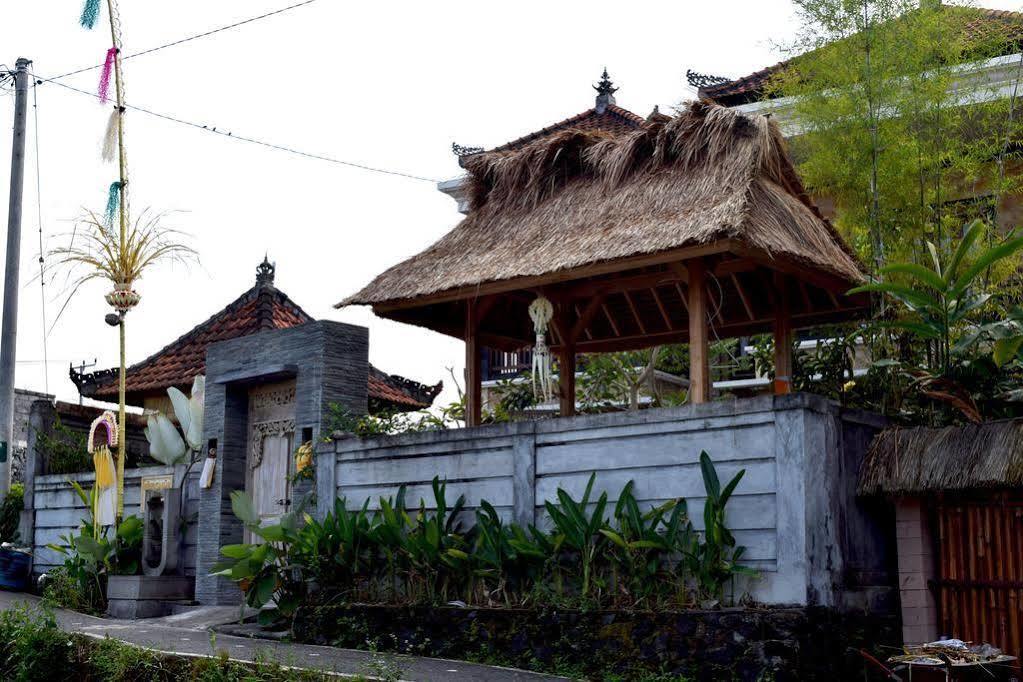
(271, 486)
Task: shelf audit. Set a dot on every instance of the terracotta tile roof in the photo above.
(261, 308)
(985, 24)
(613, 119)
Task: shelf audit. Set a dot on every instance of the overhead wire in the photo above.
(39, 220)
(243, 138)
(197, 36)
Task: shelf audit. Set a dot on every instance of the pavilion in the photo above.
(669, 230)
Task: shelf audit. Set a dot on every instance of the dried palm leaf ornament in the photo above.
(541, 312)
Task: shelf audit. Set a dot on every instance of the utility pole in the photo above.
(9, 331)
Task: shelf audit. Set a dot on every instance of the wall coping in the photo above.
(138, 472)
(766, 404)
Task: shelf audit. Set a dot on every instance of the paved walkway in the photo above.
(189, 634)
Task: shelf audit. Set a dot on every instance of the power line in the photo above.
(39, 219)
(251, 140)
(189, 38)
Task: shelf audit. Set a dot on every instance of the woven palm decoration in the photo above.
(102, 437)
(541, 312)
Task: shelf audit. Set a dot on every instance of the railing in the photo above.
(499, 364)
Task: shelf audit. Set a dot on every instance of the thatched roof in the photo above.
(922, 460)
(580, 197)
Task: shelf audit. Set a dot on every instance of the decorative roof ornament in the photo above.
(702, 80)
(460, 151)
(605, 92)
(265, 273)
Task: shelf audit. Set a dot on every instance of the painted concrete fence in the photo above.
(794, 510)
(58, 510)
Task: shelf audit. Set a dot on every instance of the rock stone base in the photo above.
(147, 596)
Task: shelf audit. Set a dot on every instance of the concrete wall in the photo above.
(59, 511)
(329, 362)
(795, 509)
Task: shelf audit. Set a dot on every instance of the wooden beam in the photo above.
(683, 295)
(782, 337)
(664, 311)
(699, 358)
(584, 318)
(742, 296)
(807, 304)
(635, 313)
(567, 275)
(586, 289)
(473, 376)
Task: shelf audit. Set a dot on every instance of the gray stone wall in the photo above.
(795, 509)
(23, 402)
(330, 364)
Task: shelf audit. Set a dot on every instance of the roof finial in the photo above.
(265, 272)
(605, 92)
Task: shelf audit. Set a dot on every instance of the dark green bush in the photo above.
(10, 513)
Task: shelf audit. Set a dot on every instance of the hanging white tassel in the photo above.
(541, 312)
(106, 506)
(110, 138)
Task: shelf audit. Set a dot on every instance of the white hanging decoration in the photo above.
(541, 312)
(110, 138)
(209, 466)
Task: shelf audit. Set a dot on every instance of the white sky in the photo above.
(384, 84)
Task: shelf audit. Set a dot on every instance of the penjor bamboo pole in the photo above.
(122, 160)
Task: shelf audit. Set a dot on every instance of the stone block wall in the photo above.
(916, 569)
(330, 364)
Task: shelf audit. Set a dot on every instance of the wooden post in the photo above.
(782, 337)
(566, 377)
(473, 378)
(699, 360)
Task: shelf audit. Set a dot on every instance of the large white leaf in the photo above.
(196, 404)
(181, 407)
(165, 443)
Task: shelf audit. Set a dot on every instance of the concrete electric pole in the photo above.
(9, 331)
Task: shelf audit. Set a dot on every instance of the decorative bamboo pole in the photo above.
(122, 159)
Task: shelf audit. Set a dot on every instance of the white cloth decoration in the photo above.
(208, 467)
(541, 312)
(106, 506)
(110, 138)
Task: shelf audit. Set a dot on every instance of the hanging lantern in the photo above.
(102, 437)
(541, 312)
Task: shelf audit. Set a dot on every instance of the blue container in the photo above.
(15, 570)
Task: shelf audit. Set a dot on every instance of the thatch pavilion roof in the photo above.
(921, 460)
(580, 206)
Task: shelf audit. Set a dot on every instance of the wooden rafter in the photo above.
(664, 312)
(583, 320)
(586, 328)
(742, 296)
(610, 319)
(635, 313)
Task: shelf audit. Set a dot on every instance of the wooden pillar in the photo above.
(782, 337)
(473, 376)
(699, 359)
(566, 377)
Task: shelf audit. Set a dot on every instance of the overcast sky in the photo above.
(387, 84)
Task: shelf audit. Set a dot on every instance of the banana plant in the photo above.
(579, 530)
(940, 300)
(166, 444)
(265, 570)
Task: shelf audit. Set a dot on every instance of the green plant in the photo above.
(63, 449)
(715, 561)
(10, 513)
(93, 554)
(31, 646)
(941, 300)
(578, 529)
(264, 569)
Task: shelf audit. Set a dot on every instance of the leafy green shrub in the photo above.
(397, 555)
(63, 449)
(10, 513)
(93, 554)
(31, 646)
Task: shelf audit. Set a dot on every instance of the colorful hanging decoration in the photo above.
(113, 201)
(104, 78)
(109, 152)
(209, 467)
(102, 437)
(541, 312)
(90, 14)
(303, 457)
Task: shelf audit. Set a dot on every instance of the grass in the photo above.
(34, 649)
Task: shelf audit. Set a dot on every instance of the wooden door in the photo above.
(271, 487)
(980, 568)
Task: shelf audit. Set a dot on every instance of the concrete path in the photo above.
(190, 634)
